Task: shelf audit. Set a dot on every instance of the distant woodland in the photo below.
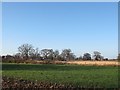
(27, 52)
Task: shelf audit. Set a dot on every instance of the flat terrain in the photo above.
(99, 63)
(80, 62)
(75, 75)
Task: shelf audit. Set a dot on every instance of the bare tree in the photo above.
(72, 56)
(87, 56)
(66, 54)
(17, 56)
(97, 55)
(56, 54)
(25, 50)
(47, 53)
(35, 54)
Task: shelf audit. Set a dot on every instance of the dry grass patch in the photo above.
(99, 63)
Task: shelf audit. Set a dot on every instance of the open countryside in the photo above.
(60, 76)
(60, 45)
(50, 69)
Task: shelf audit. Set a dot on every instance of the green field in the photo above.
(76, 75)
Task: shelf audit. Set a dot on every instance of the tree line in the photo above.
(27, 52)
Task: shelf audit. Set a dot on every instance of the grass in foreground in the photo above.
(76, 75)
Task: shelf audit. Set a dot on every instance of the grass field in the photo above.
(76, 75)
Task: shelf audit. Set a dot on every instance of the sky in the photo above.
(81, 26)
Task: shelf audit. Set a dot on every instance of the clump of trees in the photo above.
(28, 52)
(97, 55)
(87, 56)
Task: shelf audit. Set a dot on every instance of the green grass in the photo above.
(88, 76)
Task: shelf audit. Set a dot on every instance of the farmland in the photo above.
(64, 74)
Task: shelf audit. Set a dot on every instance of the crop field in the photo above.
(65, 74)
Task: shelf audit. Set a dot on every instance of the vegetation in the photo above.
(27, 52)
(74, 75)
(48, 68)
